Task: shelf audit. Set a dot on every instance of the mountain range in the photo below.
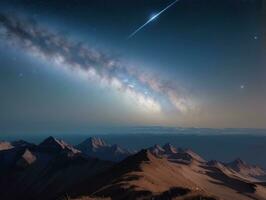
(94, 169)
(97, 147)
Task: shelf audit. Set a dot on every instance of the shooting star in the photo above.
(151, 19)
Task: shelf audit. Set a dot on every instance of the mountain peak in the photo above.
(239, 161)
(214, 163)
(238, 164)
(169, 148)
(97, 142)
(194, 155)
(53, 144)
(143, 155)
(93, 143)
(97, 147)
(157, 146)
(117, 149)
(246, 169)
(51, 141)
(156, 150)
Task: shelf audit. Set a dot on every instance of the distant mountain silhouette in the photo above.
(175, 155)
(247, 171)
(98, 148)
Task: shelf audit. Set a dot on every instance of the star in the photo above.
(256, 37)
(242, 87)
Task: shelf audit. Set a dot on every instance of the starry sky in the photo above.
(70, 65)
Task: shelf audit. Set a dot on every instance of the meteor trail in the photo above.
(151, 19)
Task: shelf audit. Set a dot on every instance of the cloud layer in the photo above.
(146, 89)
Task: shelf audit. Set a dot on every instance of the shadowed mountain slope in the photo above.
(55, 170)
(147, 175)
(44, 171)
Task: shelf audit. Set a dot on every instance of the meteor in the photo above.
(151, 19)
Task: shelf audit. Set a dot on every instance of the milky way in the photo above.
(146, 89)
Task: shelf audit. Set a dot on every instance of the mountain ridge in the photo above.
(54, 168)
(97, 147)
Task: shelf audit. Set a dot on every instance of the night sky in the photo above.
(70, 65)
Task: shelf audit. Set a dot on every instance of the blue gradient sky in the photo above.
(211, 51)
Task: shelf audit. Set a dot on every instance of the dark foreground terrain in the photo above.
(94, 169)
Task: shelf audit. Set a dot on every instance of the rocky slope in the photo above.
(146, 175)
(55, 169)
